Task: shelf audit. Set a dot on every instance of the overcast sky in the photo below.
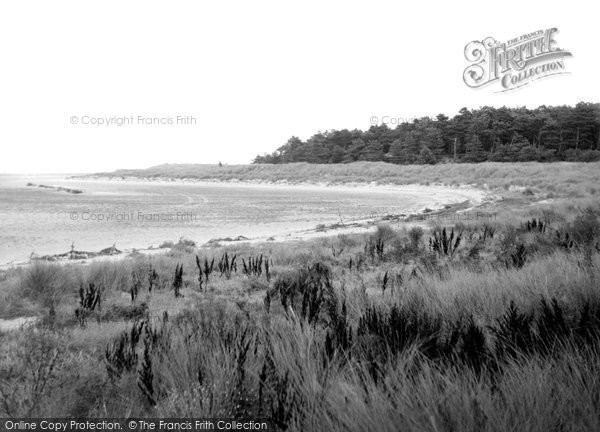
(252, 73)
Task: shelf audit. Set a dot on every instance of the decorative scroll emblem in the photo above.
(515, 63)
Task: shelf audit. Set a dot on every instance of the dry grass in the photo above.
(218, 352)
(572, 179)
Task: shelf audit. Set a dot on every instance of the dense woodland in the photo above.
(545, 134)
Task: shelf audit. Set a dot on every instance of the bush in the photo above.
(415, 234)
(32, 371)
(385, 232)
(47, 283)
(426, 157)
(585, 229)
(574, 155)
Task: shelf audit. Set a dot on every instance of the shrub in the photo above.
(178, 281)
(585, 229)
(415, 234)
(513, 333)
(443, 243)
(47, 283)
(426, 157)
(384, 232)
(306, 291)
(519, 256)
(89, 298)
(32, 371)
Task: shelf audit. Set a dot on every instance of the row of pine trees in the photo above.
(546, 133)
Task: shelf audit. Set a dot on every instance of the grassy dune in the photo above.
(405, 328)
(563, 178)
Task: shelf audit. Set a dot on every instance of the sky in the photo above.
(245, 76)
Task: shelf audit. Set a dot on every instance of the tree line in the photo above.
(545, 134)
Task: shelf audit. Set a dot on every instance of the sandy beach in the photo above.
(424, 200)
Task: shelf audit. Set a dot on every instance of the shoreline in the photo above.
(445, 199)
(372, 186)
(361, 226)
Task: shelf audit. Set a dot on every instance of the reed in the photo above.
(178, 281)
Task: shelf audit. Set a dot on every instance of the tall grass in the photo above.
(467, 341)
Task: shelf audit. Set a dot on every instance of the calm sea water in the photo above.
(143, 214)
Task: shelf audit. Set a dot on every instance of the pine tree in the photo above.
(426, 157)
(373, 151)
(355, 150)
(474, 150)
(406, 150)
